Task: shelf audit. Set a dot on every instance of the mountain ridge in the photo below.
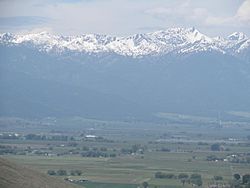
(177, 41)
(192, 76)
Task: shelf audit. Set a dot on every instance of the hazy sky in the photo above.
(124, 17)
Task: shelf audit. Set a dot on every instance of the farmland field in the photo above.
(124, 155)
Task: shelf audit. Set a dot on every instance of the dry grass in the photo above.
(13, 175)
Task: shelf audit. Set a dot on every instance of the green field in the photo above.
(171, 148)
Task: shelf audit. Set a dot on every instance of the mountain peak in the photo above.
(237, 36)
(192, 29)
(6, 36)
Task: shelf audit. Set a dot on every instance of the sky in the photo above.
(124, 17)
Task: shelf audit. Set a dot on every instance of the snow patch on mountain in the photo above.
(173, 40)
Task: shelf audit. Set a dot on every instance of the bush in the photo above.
(182, 176)
(159, 175)
(218, 178)
(215, 147)
(94, 154)
(51, 172)
(145, 184)
(195, 176)
(75, 172)
(197, 182)
(234, 183)
(165, 149)
(196, 179)
(236, 176)
(162, 175)
(170, 176)
(246, 179)
(61, 172)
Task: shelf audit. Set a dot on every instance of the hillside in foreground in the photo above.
(13, 175)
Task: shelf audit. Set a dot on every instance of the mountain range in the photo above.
(175, 70)
(173, 40)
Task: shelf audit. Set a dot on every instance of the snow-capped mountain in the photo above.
(173, 40)
(174, 70)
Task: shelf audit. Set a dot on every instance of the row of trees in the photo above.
(44, 137)
(244, 179)
(238, 181)
(97, 154)
(64, 172)
(183, 177)
(136, 148)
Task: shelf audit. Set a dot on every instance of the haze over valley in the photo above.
(125, 94)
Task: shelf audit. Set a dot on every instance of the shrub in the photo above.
(236, 176)
(75, 172)
(165, 149)
(195, 176)
(215, 147)
(196, 179)
(183, 176)
(218, 178)
(162, 175)
(61, 172)
(246, 179)
(51, 172)
(145, 184)
(197, 182)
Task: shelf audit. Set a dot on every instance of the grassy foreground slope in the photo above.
(13, 175)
